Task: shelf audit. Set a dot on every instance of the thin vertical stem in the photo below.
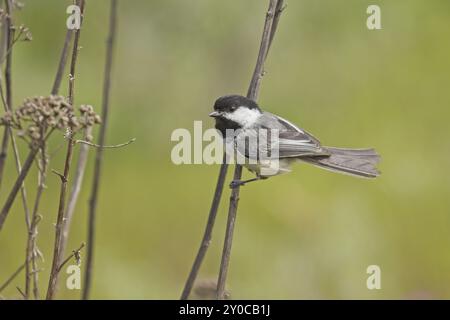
(99, 152)
(32, 233)
(7, 102)
(57, 251)
(62, 62)
(220, 184)
(275, 8)
(234, 199)
(204, 245)
(76, 187)
(9, 44)
(11, 278)
(17, 185)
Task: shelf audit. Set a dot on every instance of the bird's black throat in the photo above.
(222, 124)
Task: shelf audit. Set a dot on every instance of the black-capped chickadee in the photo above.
(238, 113)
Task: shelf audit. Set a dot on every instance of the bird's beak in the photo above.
(215, 114)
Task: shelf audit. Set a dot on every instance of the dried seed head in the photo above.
(40, 114)
(18, 4)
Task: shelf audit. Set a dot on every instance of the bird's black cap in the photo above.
(230, 102)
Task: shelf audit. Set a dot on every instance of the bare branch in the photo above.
(9, 44)
(62, 62)
(32, 233)
(274, 11)
(12, 277)
(99, 152)
(76, 188)
(7, 103)
(258, 73)
(204, 245)
(58, 252)
(17, 185)
(21, 292)
(269, 30)
(32, 248)
(75, 254)
(106, 147)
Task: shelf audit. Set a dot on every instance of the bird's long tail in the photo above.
(356, 162)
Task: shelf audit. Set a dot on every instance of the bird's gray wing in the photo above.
(298, 144)
(293, 141)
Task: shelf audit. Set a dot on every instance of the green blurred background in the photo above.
(310, 234)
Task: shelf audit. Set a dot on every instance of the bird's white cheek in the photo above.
(244, 116)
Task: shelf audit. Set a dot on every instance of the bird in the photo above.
(245, 118)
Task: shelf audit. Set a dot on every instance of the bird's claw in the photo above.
(236, 183)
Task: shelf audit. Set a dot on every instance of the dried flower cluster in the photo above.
(38, 117)
(23, 33)
(18, 5)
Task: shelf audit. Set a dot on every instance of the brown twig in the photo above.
(19, 169)
(21, 292)
(7, 102)
(12, 277)
(22, 188)
(17, 185)
(32, 233)
(32, 248)
(76, 188)
(114, 146)
(75, 254)
(253, 90)
(62, 62)
(99, 152)
(58, 252)
(220, 184)
(204, 245)
(9, 43)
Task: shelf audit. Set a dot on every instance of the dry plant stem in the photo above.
(3, 37)
(9, 39)
(32, 233)
(76, 188)
(19, 169)
(204, 245)
(218, 192)
(73, 254)
(275, 8)
(255, 84)
(99, 152)
(4, 152)
(21, 292)
(9, 42)
(17, 160)
(57, 252)
(115, 146)
(278, 10)
(62, 62)
(12, 277)
(61, 219)
(234, 198)
(17, 185)
(7, 102)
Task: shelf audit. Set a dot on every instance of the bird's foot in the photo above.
(237, 183)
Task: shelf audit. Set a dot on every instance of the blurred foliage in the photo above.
(310, 234)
